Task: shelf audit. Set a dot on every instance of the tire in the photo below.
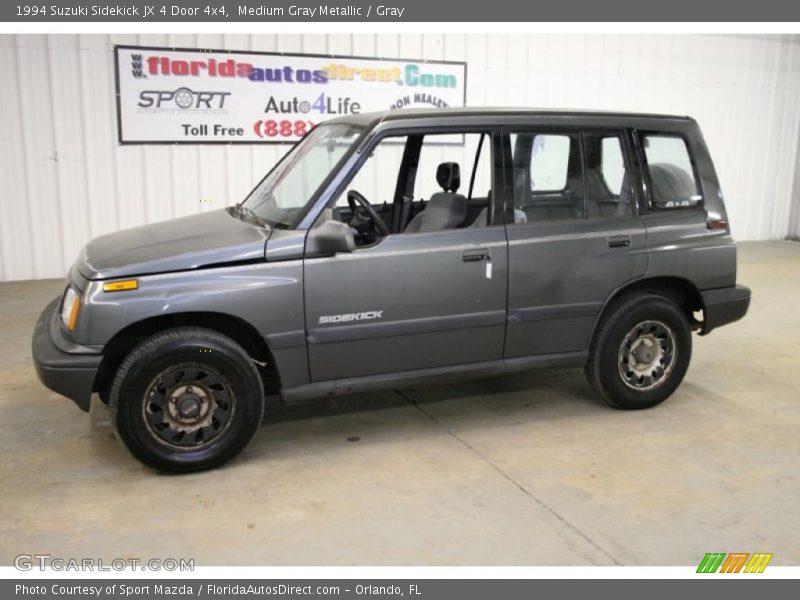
(186, 399)
(640, 351)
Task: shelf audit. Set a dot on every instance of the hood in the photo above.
(201, 240)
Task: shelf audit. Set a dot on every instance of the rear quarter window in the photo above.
(670, 172)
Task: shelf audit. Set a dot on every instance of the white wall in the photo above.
(64, 179)
(794, 219)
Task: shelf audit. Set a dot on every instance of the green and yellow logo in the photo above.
(736, 562)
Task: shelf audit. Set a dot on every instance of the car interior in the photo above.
(446, 209)
(451, 207)
(545, 204)
(589, 185)
(567, 202)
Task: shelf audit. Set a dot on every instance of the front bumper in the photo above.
(71, 374)
(723, 306)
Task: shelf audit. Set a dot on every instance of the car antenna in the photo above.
(385, 114)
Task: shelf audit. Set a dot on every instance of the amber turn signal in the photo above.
(73, 314)
(119, 286)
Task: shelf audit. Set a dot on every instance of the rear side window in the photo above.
(670, 172)
(609, 192)
(549, 162)
(548, 177)
(612, 164)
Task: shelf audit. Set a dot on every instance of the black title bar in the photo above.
(444, 11)
(732, 588)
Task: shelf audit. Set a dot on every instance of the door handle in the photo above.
(619, 241)
(476, 255)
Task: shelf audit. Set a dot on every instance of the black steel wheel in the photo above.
(186, 399)
(188, 406)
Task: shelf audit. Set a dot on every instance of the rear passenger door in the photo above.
(574, 231)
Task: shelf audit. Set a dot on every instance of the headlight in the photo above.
(69, 309)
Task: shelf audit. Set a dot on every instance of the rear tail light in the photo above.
(717, 224)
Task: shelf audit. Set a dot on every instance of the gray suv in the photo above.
(364, 260)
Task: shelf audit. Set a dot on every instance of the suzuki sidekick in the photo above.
(401, 248)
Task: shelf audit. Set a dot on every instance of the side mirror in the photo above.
(330, 238)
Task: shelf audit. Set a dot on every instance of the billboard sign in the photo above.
(194, 96)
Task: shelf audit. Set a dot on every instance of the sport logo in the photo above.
(346, 318)
(735, 562)
(182, 98)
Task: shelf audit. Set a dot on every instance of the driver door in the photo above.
(411, 301)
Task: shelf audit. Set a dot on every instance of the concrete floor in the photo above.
(523, 470)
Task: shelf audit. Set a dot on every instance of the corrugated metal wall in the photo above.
(64, 179)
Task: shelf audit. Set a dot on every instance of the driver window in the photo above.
(448, 187)
(459, 148)
(375, 182)
(377, 177)
(465, 191)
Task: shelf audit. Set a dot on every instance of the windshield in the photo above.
(282, 194)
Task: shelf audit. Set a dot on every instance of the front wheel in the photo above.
(640, 352)
(186, 399)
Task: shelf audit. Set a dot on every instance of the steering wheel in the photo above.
(363, 224)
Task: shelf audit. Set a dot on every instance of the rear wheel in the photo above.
(186, 399)
(640, 352)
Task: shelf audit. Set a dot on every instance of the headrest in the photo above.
(448, 175)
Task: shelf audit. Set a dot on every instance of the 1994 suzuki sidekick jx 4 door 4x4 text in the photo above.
(364, 260)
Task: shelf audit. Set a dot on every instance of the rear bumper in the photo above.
(723, 306)
(69, 374)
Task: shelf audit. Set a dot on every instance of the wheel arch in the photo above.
(239, 330)
(679, 290)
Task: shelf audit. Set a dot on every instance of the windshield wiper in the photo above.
(279, 225)
(244, 213)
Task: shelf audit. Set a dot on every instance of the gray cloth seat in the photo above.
(482, 220)
(446, 209)
(601, 203)
(554, 206)
(625, 201)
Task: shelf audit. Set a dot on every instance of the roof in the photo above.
(407, 114)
